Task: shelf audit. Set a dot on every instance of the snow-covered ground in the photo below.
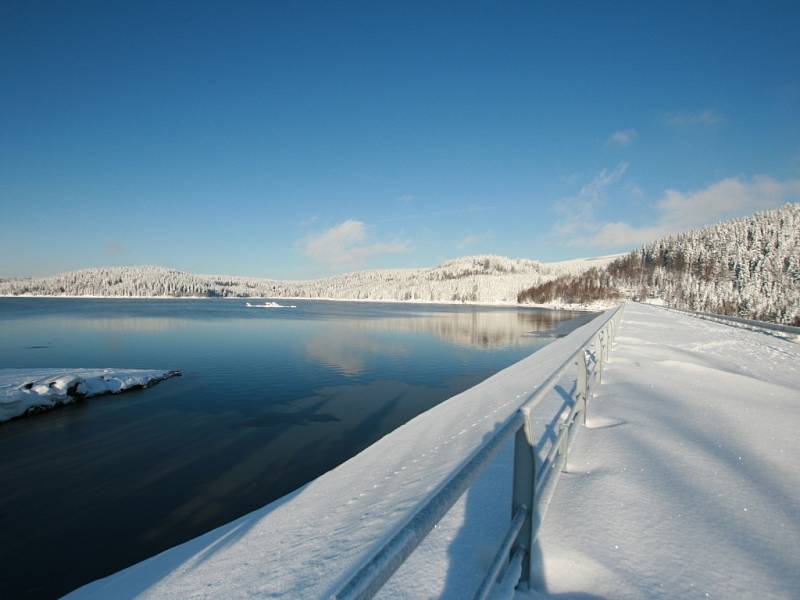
(25, 391)
(684, 484)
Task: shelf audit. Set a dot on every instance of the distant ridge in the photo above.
(485, 279)
(748, 267)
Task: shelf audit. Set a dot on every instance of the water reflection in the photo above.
(269, 400)
(344, 348)
(348, 344)
(475, 328)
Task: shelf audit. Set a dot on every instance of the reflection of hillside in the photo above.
(484, 329)
(346, 350)
(122, 324)
(347, 344)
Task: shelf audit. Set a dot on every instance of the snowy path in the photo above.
(686, 483)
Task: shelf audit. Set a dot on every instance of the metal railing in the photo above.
(783, 331)
(533, 480)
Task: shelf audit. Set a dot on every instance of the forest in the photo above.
(748, 267)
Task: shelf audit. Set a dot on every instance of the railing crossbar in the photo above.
(499, 561)
(371, 577)
(529, 487)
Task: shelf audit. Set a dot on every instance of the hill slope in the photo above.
(469, 279)
(748, 267)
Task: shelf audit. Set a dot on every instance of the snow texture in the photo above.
(27, 391)
(476, 279)
(685, 482)
(683, 485)
(747, 267)
(269, 305)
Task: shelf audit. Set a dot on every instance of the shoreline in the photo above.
(497, 304)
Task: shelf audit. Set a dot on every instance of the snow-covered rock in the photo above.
(26, 391)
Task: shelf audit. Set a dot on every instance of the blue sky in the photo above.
(297, 139)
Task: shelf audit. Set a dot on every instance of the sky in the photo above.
(301, 139)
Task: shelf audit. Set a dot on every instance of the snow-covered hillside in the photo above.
(748, 267)
(486, 279)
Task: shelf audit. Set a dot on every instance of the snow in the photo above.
(303, 545)
(683, 484)
(26, 391)
(469, 279)
(269, 305)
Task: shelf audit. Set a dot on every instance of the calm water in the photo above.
(269, 400)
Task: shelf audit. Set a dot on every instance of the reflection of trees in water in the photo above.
(346, 344)
(477, 329)
(346, 350)
(128, 324)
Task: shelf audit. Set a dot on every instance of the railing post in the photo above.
(563, 436)
(523, 492)
(600, 353)
(582, 384)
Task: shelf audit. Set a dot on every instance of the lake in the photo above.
(269, 399)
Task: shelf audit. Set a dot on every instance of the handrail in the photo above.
(528, 486)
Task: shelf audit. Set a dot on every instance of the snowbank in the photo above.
(27, 391)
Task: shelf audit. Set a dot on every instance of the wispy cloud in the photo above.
(407, 198)
(623, 137)
(309, 221)
(474, 238)
(577, 213)
(677, 211)
(347, 245)
(113, 248)
(706, 117)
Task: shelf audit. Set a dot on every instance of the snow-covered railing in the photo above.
(751, 324)
(533, 483)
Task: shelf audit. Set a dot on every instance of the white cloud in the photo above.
(634, 190)
(577, 213)
(474, 238)
(613, 235)
(678, 211)
(347, 245)
(623, 137)
(407, 198)
(706, 117)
